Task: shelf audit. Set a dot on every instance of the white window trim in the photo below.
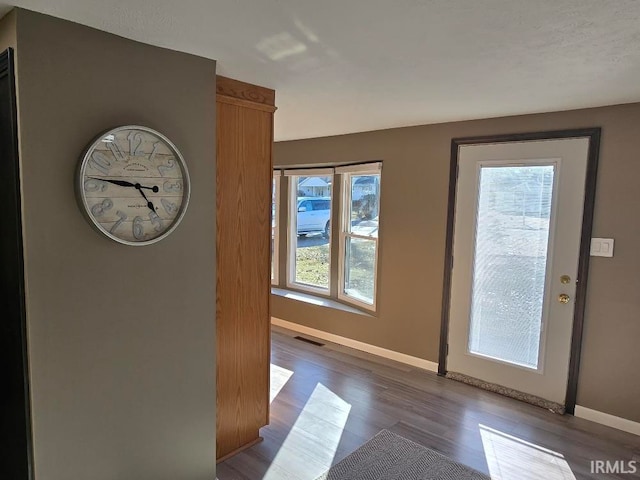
(345, 218)
(277, 174)
(309, 172)
(292, 230)
(372, 167)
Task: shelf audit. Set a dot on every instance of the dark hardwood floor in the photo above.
(329, 400)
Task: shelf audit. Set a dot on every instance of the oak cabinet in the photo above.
(243, 249)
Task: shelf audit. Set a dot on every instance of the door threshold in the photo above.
(508, 392)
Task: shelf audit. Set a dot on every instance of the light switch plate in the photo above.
(602, 247)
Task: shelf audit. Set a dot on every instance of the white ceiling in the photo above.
(341, 66)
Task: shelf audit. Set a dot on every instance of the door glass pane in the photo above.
(365, 204)
(313, 224)
(512, 236)
(360, 264)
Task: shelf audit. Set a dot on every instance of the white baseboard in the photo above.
(608, 420)
(357, 345)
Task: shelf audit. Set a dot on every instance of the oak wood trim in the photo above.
(267, 393)
(239, 102)
(585, 241)
(230, 87)
(243, 200)
(239, 449)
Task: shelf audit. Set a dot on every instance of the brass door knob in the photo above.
(564, 298)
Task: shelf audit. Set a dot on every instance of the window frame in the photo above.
(345, 219)
(292, 233)
(275, 255)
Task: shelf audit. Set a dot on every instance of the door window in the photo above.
(510, 264)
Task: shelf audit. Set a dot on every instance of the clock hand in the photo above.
(149, 204)
(124, 183)
(154, 189)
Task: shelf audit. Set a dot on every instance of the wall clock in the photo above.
(133, 185)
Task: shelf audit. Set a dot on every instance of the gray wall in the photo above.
(121, 339)
(415, 183)
(8, 31)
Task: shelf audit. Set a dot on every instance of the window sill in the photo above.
(316, 300)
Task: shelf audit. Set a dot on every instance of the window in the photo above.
(275, 214)
(309, 225)
(359, 224)
(313, 253)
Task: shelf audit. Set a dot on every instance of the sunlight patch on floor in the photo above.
(279, 378)
(510, 457)
(311, 444)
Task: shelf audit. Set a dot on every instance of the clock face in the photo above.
(133, 185)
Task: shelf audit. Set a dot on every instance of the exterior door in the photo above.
(516, 246)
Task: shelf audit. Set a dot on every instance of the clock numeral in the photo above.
(156, 221)
(172, 187)
(94, 185)
(99, 208)
(169, 207)
(100, 162)
(134, 148)
(122, 217)
(152, 155)
(138, 228)
(165, 168)
(117, 152)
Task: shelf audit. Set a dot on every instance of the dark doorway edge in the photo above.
(16, 435)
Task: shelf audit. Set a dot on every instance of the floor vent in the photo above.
(312, 342)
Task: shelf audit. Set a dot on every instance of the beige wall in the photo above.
(121, 339)
(8, 31)
(412, 243)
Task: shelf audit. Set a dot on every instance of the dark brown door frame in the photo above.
(585, 242)
(16, 457)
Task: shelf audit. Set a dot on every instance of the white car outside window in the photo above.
(314, 215)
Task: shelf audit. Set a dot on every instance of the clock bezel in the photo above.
(82, 199)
